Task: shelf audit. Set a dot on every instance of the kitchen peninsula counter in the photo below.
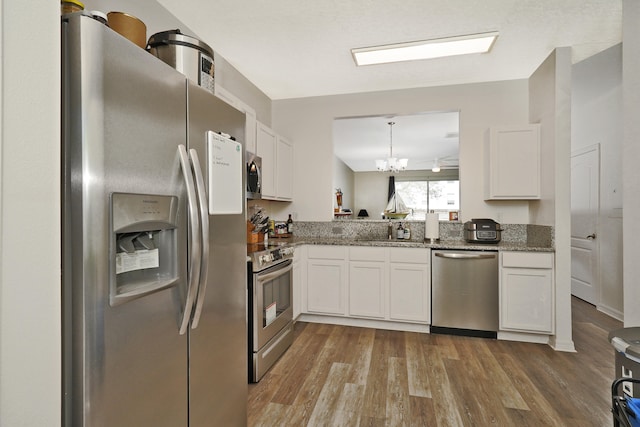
(354, 275)
(515, 237)
(444, 244)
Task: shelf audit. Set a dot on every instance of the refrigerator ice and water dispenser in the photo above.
(144, 247)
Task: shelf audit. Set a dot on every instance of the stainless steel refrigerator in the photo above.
(154, 253)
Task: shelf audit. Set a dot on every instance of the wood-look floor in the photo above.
(348, 376)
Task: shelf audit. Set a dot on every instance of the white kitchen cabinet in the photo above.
(250, 113)
(284, 172)
(368, 285)
(367, 281)
(326, 280)
(266, 149)
(512, 163)
(277, 164)
(527, 292)
(409, 285)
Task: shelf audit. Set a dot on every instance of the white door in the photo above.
(585, 204)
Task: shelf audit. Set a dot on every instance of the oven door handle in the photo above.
(274, 273)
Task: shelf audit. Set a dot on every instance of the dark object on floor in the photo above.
(626, 410)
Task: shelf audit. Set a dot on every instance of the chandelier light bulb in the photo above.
(391, 164)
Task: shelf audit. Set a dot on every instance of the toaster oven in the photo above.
(482, 230)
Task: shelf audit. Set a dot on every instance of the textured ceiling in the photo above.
(301, 48)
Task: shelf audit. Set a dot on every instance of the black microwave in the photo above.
(254, 176)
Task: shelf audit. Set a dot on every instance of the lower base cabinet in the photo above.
(527, 292)
(393, 285)
(409, 292)
(367, 281)
(409, 285)
(366, 289)
(389, 284)
(326, 281)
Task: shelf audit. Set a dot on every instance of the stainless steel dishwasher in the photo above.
(464, 292)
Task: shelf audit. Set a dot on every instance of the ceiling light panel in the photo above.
(426, 49)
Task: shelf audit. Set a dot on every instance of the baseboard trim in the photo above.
(364, 323)
(616, 314)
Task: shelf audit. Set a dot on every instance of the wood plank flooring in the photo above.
(348, 376)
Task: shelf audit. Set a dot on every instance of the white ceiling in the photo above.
(301, 48)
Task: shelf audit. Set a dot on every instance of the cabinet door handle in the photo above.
(591, 236)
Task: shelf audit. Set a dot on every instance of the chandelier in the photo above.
(391, 164)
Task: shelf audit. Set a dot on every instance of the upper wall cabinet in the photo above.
(512, 163)
(266, 148)
(277, 164)
(284, 174)
(250, 123)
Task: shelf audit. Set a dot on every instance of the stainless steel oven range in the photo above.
(270, 305)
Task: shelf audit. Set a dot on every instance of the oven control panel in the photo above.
(270, 256)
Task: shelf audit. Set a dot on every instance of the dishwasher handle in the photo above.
(458, 255)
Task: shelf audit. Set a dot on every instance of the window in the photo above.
(441, 196)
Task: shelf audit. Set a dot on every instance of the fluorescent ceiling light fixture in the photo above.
(426, 49)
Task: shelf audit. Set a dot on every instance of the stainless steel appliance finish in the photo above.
(464, 292)
(190, 56)
(270, 298)
(154, 296)
(482, 230)
(254, 176)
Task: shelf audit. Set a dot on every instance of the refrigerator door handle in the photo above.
(204, 227)
(194, 256)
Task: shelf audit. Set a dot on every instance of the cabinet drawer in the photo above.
(326, 252)
(527, 260)
(409, 255)
(367, 253)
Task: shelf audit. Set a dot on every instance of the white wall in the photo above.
(372, 192)
(596, 118)
(550, 105)
(344, 180)
(308, 123)
(30, 311)
(630, 159)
